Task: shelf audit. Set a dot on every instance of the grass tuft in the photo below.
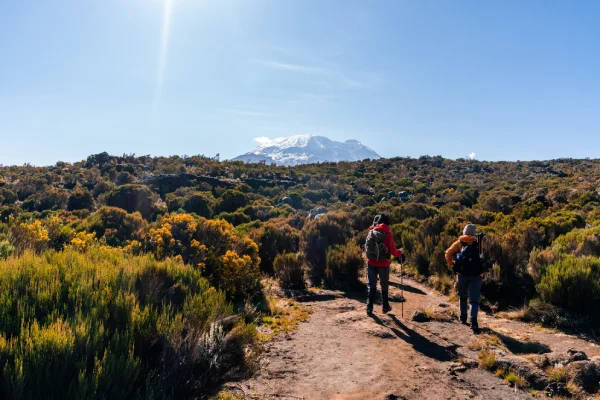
(487, 359)
(515, 380)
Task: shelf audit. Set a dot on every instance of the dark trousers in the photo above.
(469, 288)
(384, 279)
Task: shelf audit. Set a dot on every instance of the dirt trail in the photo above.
(342, 353)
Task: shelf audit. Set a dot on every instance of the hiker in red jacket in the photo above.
(379, 248)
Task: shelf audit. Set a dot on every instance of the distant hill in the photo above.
(307, 149)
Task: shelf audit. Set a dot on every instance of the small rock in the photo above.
(394, 397)
(577, 355)
(457, 367)
(443, 305)
(420, 316)
(585, 374)
(556, 389)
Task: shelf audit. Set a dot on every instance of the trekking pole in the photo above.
(402, 284)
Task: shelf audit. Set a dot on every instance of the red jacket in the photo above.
(389, 243)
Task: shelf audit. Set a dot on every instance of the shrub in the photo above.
(80, 199)
(116, 226)
(6, 250)
(318, 236)
(229, 262)
(199, 203)
(50, 198)
(235, 218)
(573, 284)
(344, 265)
(130, 327)
(274, 239)
(29, 236)
(7, 196)
(231, 200)
(289, 270)
(132, 198)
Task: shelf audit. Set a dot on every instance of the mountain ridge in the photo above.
(307, 149)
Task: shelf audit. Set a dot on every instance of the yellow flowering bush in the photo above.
(29, 236)
(229, 261)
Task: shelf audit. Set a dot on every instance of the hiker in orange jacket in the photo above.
(380, 247)
(464, 259)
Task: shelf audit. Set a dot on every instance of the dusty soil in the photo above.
(342, 353)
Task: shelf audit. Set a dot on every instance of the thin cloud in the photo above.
(295, 67)
(262, 140)
(340, 78)
(472, 156)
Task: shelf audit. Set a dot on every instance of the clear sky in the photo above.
(505, 79)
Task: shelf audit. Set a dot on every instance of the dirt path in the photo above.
(342, 353)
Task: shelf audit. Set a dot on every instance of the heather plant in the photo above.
(101, 323)
(572, 283)
(116, 226)
(289, 270)
(318, 236)
(273, 239)
(344, 266)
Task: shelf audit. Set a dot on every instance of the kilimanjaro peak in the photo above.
(307, 149)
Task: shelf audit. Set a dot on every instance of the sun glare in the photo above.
(164, 48)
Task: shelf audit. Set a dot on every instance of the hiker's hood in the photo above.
(468, 239)
(381, 228)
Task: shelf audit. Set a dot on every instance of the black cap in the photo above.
(381, 219)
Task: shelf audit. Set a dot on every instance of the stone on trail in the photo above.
(420, 316)
(577, 355)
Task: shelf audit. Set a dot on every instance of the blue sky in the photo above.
(506, 80)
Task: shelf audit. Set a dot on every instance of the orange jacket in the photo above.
(457, 247)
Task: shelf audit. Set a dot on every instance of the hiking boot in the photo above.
(371, 301)
(386, 303)
(475, 325)
(463, 320)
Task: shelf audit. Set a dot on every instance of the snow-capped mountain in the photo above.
(306, 149)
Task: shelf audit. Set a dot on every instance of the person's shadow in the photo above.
(407, 288)
(420, 343)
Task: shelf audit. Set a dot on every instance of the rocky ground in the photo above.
(341, 353)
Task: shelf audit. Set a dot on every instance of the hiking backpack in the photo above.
(375, 246)
(467, 261)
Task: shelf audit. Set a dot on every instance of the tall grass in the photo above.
(106, 324)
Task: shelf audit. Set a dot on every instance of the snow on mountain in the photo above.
(307, 149)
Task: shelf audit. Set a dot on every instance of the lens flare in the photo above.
(164, 47)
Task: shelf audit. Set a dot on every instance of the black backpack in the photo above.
(375, 246)
(467, 262)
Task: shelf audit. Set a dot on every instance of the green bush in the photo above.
(104, 324)
(573, 284)
(345, 264)
(7, 196)
(132, 198)
(231, 200)
(80, 199)
(116, 226)
(289, 270)
(318, 236)
(235, 218)
(199, 203)
(6, 249)
(274, 239)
